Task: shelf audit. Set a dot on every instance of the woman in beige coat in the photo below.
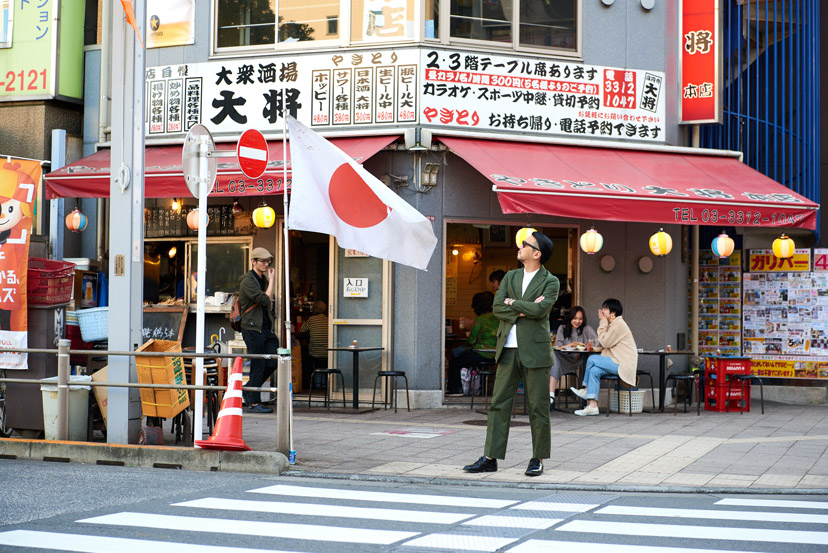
(619, 356)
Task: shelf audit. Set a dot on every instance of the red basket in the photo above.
(49, 281)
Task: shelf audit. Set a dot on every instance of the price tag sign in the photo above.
(820, 260)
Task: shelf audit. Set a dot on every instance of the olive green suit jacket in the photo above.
(533, 327)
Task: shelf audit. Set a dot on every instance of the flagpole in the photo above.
(285, 225)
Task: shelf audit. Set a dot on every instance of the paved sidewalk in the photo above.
(786, 448)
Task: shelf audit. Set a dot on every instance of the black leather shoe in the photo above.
(535, 467)
(484, 464)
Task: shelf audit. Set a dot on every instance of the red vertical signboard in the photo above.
(701, 51)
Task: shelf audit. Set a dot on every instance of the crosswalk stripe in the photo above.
(556, 507)
(550, 546)
(713, 514)
(696, 532)
(334, 493)
(315, 509)
(460, 542)
(789, 504)
(101, 544)
(513, 522)
(253, 528)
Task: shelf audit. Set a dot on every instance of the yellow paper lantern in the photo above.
(661, 243)
(783, 247)
(76, 221)
(722, 245)
(592, 241)
(523, 234)
(193, 219)
(264, 216)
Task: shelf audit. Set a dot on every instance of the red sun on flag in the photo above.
(353, 200)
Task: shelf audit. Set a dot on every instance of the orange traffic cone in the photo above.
(228, 432)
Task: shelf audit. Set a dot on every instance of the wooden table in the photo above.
(356, 351)
(662, 369)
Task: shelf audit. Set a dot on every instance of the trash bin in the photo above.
(78, 407)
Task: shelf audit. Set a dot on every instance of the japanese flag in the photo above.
(332, 194)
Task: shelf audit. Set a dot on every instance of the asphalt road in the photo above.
(69, 507)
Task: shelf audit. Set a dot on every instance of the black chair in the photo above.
(687, 379)
(565, 377)
(742, 378)
(638, 375)
(391, 382)
(482, 373)
(617, 379)
(328, 399)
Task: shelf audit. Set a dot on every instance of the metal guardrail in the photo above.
(63, 352)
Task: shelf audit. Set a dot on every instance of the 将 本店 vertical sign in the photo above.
(701, 53)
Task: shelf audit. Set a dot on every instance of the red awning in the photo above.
(633, 185)
(89, 177)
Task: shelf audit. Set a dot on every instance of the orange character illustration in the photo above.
(16, 194)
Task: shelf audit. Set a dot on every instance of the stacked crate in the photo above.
(717, 374)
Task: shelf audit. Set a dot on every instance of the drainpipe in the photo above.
(104, 100)
(694, 285)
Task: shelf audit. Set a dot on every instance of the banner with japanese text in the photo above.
(18, 183)
(701, 67)
(437, 88)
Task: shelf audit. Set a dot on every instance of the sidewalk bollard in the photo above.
(63, 390)
(283, 406)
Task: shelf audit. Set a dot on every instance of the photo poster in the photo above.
(19, 179)
(170, 23)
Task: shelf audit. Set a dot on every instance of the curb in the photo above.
(262, 462)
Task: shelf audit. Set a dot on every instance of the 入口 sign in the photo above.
(355, 287)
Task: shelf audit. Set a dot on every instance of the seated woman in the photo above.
(483, 335)
(575, 331)
(619, 356)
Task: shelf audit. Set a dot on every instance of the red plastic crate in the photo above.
(716, 398)
(49, 281)
(720, 369)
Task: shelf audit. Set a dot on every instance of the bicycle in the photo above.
(5, 430)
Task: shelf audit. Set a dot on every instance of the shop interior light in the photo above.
(455, 251)
(783, 247)
(76, 221)
(522, 234)
(264, 216)
(172, 252)
(592, 241)
(192, 219)
(176, 205)
(722, 245)
(661, 243)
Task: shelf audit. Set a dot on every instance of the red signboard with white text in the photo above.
(701, 52)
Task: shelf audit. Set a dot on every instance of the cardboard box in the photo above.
(101, 392)
(162, 370)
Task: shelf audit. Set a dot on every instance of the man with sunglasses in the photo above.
(522, 306)
(255, 292)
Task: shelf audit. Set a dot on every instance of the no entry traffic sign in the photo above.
(252, 153)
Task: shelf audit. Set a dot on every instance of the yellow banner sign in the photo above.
(763, 261)
(784, 368)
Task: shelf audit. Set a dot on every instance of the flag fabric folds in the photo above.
(332, 194)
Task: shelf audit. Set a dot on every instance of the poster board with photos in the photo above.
(720, 302)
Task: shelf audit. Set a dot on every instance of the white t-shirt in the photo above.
(511, 339)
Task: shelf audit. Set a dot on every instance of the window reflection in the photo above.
(548, 23)
(254, 22)
(381, 20)
(482, 19)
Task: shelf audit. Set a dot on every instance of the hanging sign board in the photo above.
(701, 67)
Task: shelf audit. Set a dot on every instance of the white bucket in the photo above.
(78, 407)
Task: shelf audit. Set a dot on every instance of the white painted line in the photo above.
(774, 503)
(252, 153)
(545, 546)
(556, 507)
(715, 515)
(513, 522)
(252, 528)
(457, 542)
(694, 532)
(335, 493)
(313, 509)
(53, 541)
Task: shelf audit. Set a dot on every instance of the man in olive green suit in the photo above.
(522, 304)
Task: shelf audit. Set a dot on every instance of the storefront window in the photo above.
(254, 22)
(5, 24)
(548, 23)
(227, 262)
(482, 19)
(381, 20)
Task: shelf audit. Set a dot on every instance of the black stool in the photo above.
(686, 379)
(565, 377)
(617, 379)
(393, 376)
(742, 378)
(638, 375)
(482, 373)
(327, 373)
